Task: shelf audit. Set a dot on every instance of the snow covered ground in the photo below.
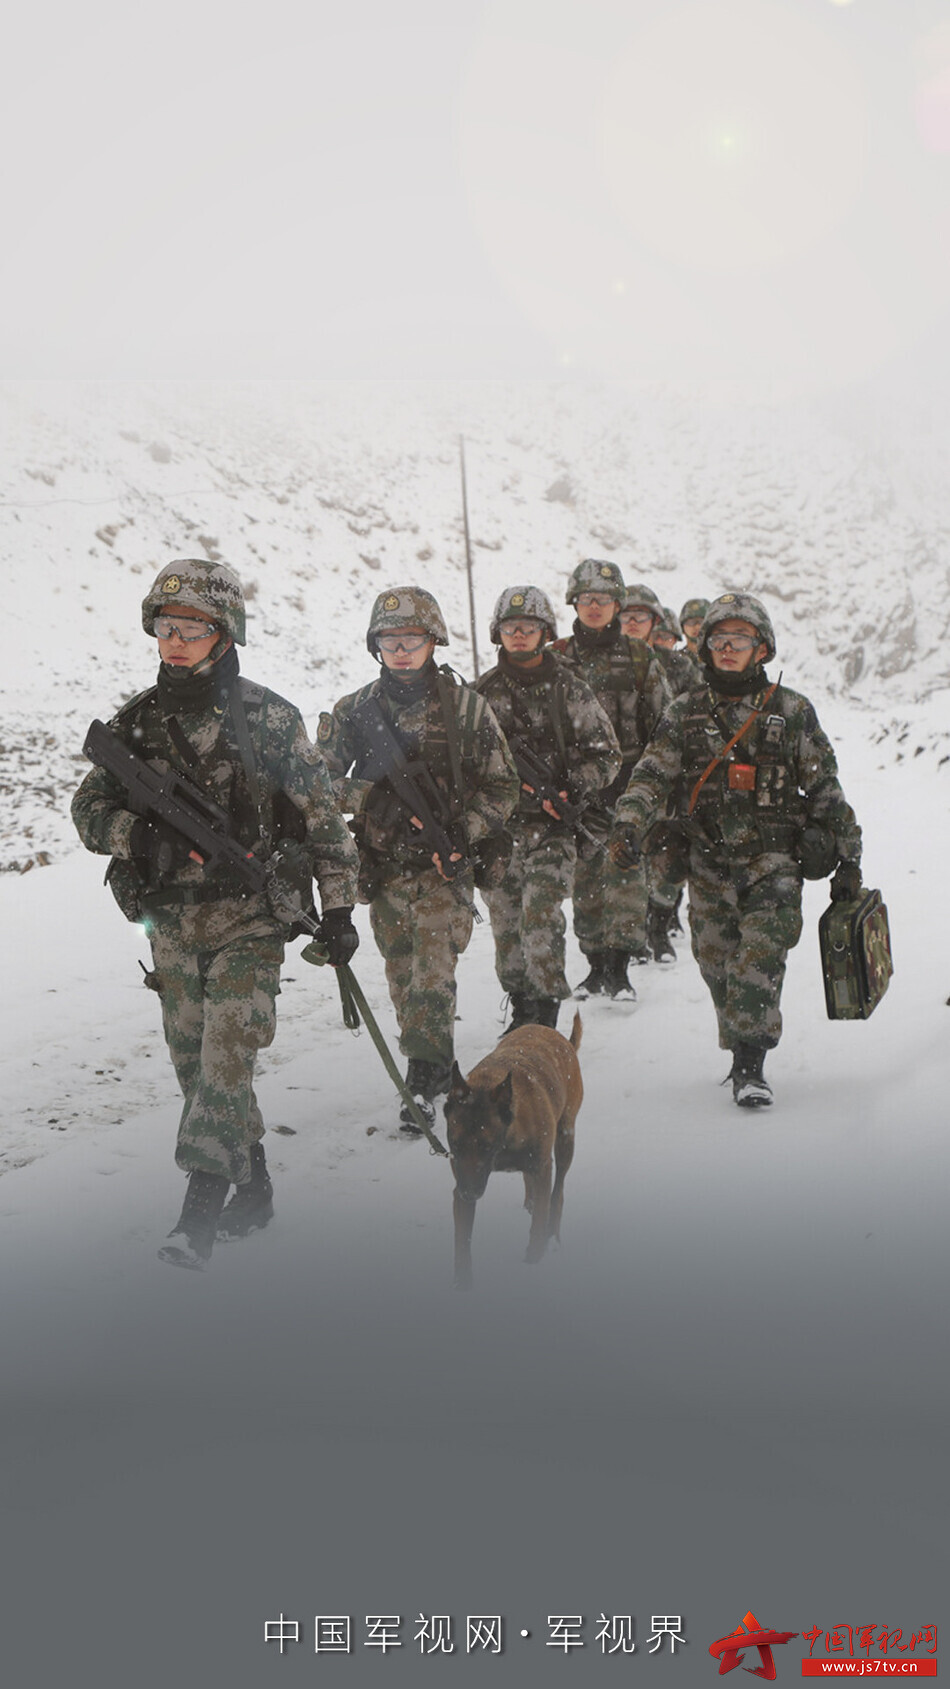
(728, 1386)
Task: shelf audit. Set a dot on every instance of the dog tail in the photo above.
(577, 1030)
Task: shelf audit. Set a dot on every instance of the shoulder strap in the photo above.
(557, 712)
(446, 689)
(246, 752)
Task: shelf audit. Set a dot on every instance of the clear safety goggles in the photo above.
(525, 626)
(733, 641)
(408, 642)
(589, 599)
(636, 615)
(186, 627)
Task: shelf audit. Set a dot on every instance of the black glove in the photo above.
(339, 935)
(624, 847)
(846, 885)
(162, 847)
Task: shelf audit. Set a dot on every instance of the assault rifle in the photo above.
(533, 772)
(173, 799)
(414, 785)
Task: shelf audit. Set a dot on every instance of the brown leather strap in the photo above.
(717, 759)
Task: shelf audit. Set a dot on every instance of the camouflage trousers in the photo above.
(744, 918)
(421, 925)
(527, 918)
(666, 855)
(218, 976)
(610, 905)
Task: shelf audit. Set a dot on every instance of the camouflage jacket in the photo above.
(199, 742)
(679, 668)
(559, 717)
(489, 782)
(627, 681)
(780, 775)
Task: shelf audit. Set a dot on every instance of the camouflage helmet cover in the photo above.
(669, 623)
(694, 610)
(594, 575)
(522, 601)
(406, 607)
(195, 583)
(640, 594)
(738, 607)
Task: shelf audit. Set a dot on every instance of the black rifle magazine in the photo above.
(855, 941)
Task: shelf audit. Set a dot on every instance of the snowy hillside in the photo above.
(737, 1342)
(318, 495)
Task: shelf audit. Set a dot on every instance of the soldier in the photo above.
(667, 633)
(217, 948)
(691, 621)
(420, 901)
(757, 789)
(662, 872)
(548, 714)
(610, 907)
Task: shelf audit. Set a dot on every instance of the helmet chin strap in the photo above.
(222, 644)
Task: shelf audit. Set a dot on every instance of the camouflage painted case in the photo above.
(856, 963)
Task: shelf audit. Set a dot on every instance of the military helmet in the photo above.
(195, 583)
(738, 607)
(405, 607)
(640, 594)
(595, 576)
(694, 609)
(669, 623)
(522, 601)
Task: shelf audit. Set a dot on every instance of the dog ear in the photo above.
(458, 1086)
(502, 1100)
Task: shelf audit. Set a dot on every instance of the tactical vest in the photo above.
(447, 747)
(163, 739)
(548, 728)
(629, 662)
(447, 744)
(256, 821)
(751, 802)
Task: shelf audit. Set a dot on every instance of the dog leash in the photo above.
(355, 1008)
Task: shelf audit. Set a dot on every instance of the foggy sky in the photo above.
(725, 190)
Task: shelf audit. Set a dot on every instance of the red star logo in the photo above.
(749, 1634)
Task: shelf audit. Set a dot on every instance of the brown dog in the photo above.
(515, 1112)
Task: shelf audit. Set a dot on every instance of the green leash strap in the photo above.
(355, 1008)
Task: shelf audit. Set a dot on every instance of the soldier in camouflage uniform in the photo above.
(217, 948)
(665, 640)
(757, 789)
(543, 705)
(610, 907)
(421, 920)
(691, 621)
(665, 855)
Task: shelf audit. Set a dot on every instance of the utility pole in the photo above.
(468, 559)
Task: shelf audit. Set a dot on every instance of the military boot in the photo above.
(616, 983)
(192, 1240)
(522, 1010)
(545, 1011)
(660, 920)
(426, 1080)
(593, 985)
(750, 1088)
(251, 1207)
